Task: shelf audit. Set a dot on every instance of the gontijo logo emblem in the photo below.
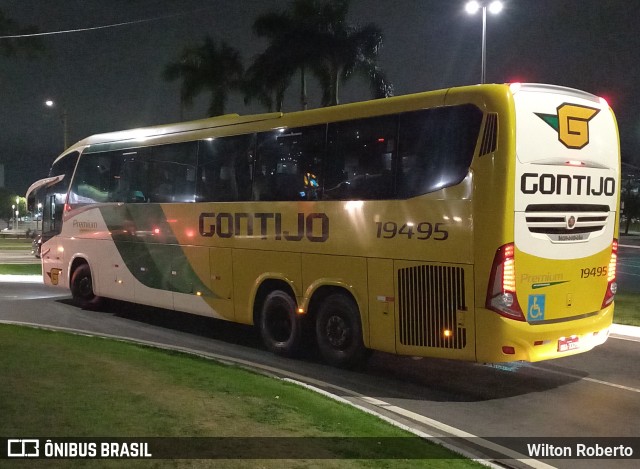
(572, 124)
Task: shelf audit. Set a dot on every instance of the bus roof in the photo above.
(309, 117)
(339, 112)
(174, 128)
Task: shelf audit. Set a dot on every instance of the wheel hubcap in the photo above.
(280, 326)
(338, 332)
(84, 287)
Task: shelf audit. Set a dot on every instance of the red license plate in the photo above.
(568, 343)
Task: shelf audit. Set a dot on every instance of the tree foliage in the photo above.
(315, 35)
(11, 47)
(293, 48)
(212, 67)
(310, 37)
(7, 205)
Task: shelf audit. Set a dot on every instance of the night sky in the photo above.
(111, 79)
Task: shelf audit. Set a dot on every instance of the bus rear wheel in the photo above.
(82, 288)
(280, 327)
(339, 332)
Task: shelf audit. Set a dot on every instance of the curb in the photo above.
(622, 331)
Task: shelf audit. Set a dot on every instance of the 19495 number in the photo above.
(593, 272)
(424, 230)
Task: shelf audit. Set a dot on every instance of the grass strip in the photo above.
(62, 385)
(627, 309)
(10, 243)
(22, 247)
(20, 269)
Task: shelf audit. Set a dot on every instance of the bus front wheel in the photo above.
(339, 332)
(280, 327)
(82, 288)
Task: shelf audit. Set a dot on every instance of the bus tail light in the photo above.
(501, 294)
(612, 284)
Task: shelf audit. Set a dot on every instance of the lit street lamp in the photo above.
(63, 116)
(494, 8)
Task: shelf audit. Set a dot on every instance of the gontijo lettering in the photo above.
(313, 226)
(564, 184)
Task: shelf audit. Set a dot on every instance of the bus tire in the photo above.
(82, 288)
(280, 327)
(339, 332)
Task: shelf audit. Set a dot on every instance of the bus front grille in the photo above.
(566, 219)
(429, 299)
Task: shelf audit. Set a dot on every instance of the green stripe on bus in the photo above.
(150, 250)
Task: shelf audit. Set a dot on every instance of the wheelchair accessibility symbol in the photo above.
(535, 308)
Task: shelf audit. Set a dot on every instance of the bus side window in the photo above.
(161, 181)
(92, 182)
(243, 167)
(360, 159)
(224, 169)
(169, 174)
(131, 182)
(436, 148)
(288, 164)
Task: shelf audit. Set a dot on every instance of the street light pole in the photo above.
(494, 7)
(483, 75)
(64, 118)
(17, 211)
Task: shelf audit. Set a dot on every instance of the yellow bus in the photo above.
(474, 223)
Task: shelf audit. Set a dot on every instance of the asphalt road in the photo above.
(18, 257)
(591, 395)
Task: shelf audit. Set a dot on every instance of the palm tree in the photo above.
(315, 36)
(292, 48)
(208, 67)
(346, 51)
(265, 78)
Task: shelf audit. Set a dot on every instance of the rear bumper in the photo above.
(497, 337)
